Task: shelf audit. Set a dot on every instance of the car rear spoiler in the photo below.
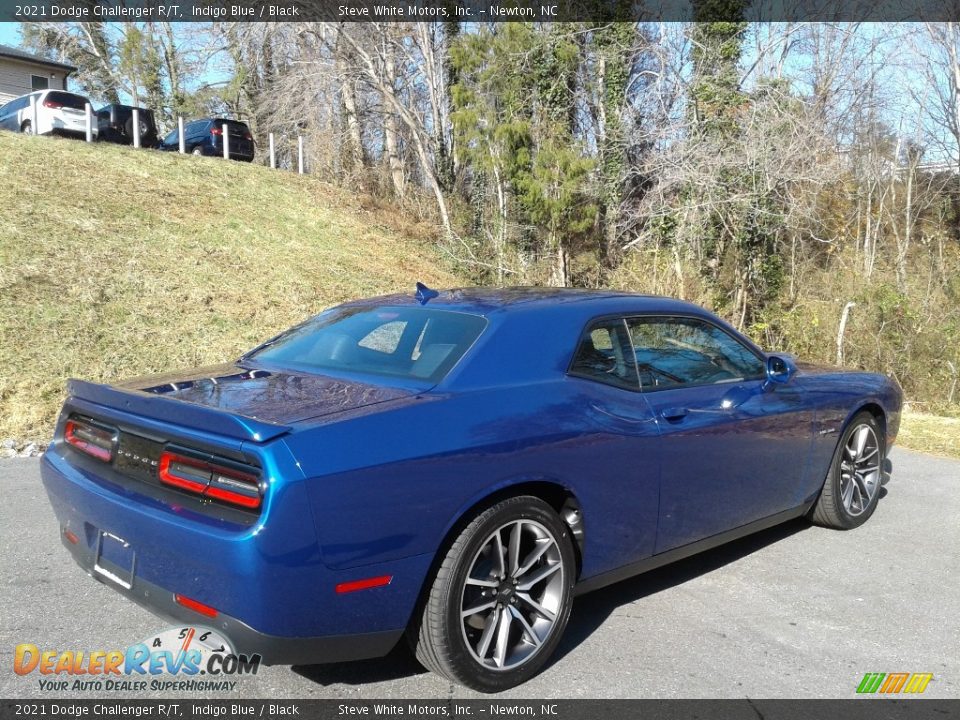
(176, 412)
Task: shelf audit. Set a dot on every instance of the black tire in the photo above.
(197, 150)
(829, 510)
(144, 131)
(26, 127)
(439, 634)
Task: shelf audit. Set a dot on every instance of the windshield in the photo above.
(413, 343)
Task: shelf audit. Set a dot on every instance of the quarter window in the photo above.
(603, 355)
(676, 351)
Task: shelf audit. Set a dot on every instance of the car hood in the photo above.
(272, 396)
(809, 368)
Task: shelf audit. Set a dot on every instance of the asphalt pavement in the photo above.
(796, 611)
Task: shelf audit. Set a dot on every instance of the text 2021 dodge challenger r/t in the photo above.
(453, 467)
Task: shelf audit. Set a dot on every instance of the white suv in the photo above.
(58, 112)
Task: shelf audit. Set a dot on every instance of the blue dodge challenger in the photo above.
(453, 467)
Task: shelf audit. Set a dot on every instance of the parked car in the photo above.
(453, 466)
(205, 137)
(115, 123)
(58, 113)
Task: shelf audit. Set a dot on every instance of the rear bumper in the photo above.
(71, 127)
(272, 593)
(273, 649)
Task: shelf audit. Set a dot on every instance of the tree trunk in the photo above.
(354, 156)
(559, 277)
(844, 316)
(390, 133)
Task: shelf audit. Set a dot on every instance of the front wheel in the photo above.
(501, 598)
(27, 127)
(851, 489)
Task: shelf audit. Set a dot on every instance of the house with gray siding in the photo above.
(22, 72)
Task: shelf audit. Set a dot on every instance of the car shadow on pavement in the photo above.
(589, 611)
(399, 663)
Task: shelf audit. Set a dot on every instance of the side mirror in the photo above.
(779, 370)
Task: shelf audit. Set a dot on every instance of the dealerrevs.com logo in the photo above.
(177, 659)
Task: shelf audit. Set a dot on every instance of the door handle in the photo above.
(674, 413)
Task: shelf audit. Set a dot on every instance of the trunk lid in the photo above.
(236, 401)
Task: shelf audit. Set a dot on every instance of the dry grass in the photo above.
(115, 263)
(930, 434)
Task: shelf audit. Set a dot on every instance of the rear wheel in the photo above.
(852, 486)
(128, 129)
(26, 127)
(501, 598)
(198, 151)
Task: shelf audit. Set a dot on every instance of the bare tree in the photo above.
(940, 93)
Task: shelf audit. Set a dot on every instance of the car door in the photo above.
(733, 447)
(620, 446)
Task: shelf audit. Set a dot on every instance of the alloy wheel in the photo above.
(512, 595)
(860, 469)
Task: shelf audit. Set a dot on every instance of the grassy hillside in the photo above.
(115, 262)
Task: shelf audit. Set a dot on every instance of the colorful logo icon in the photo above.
(182, 652)
(893, 683)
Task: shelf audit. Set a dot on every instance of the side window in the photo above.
(676, 351)
(602, 355)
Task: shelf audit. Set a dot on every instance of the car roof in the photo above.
(491, 300)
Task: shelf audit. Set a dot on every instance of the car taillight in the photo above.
(247, 136)
(52, 104)
(216, 131)
(90, 438)
(210, 479)
(195, 605)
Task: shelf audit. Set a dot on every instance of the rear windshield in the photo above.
(413, 343)
(234, 127)
(66, 99)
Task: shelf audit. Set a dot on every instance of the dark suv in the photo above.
(115, 124)
(205, 137)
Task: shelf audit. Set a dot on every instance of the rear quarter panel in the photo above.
(392, 484)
